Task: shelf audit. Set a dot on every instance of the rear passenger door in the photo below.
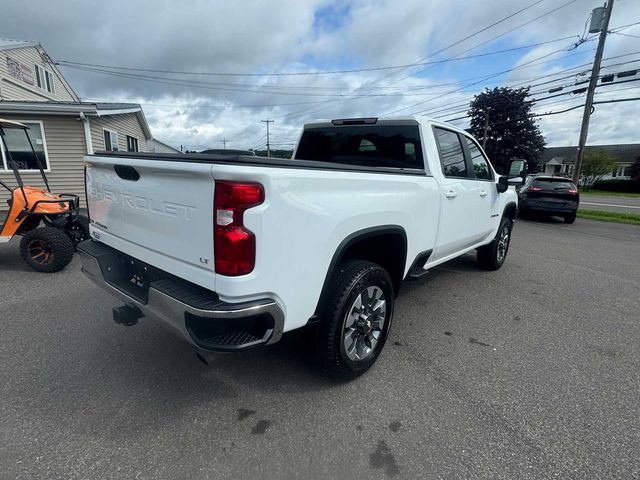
(458, 227)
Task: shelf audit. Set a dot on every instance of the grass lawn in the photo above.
(604, 193)
(631, 218)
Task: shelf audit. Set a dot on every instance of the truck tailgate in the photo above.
(160, 212)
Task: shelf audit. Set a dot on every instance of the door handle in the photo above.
(483, 193)
(451, 194)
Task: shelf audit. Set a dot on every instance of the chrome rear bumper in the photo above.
(193, 312)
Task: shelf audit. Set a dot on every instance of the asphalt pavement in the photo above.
(610, 204)
(532, 371)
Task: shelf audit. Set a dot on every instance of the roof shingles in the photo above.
(623, 153)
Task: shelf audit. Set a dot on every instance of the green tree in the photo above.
(511, 131)
(596, 165)
(635, 170)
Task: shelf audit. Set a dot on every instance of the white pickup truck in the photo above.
(233, 251)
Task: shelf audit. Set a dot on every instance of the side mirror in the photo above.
(516, 177)
(517, 173)
(516, 181)
(503, 184)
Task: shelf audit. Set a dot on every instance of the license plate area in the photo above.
(129, 275)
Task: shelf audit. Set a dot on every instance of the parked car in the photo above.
(228, 151)
(550, 196)
(231, 252)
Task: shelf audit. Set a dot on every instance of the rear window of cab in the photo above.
(395, 146)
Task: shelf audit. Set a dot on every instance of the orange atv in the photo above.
(49, 224)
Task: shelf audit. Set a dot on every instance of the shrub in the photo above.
(623, 186)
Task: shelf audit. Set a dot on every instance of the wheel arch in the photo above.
(510, 211)
(385, 245)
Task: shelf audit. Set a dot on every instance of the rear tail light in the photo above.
(535, 189)
(572, 190)
(235, 246)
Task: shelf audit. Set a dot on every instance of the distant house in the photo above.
(561, 160)
(63, 129)
(157, 146)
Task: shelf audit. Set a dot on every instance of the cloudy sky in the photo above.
(208, 70)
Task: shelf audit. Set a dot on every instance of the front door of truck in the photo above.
(485, 191)
(458, 224)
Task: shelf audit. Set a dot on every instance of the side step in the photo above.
(417, 267)
(417, 272)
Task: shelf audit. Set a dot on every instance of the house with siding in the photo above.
(561, 160)
(157, 146)
(63, 129)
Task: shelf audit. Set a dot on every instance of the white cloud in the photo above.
(289, 35)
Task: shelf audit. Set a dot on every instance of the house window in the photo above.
(132, 144)
(49, 81)
(16, 142)
(44, 79)
(110, 140)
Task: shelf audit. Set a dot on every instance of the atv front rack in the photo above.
(74, 204)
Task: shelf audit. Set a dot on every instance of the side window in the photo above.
(16, 141)
(481, 167)
(451, 153)
(110, 140)
(132, 144)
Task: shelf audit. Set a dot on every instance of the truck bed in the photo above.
(258, 162)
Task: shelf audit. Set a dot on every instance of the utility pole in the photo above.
(486, 127)
(224, 143)
(268, 144)
(595, 72)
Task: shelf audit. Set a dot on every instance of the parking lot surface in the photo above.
(528, 372)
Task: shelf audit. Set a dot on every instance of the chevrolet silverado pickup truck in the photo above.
(231, 252)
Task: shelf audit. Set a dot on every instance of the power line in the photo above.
(72, 64)
(625, 34)
(501, 35)
(572, 85)
(430, 111)
(449, 46)
(458, 42)
(479, 81)
(599, 102)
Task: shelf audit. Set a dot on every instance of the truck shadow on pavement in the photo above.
(465, 264)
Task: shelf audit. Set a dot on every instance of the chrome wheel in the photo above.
(503, 243)
(363, 323)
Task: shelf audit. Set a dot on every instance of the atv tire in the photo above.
(46, 249)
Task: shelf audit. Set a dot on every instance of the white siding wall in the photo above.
(125, 124)
(66, 148)
(14, 89)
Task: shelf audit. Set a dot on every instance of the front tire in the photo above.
(356, 320)
(493, 255)
(46, 249)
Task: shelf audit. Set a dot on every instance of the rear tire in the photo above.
(46, 249)
(356, 320)
(570, 218)
(493, 255)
